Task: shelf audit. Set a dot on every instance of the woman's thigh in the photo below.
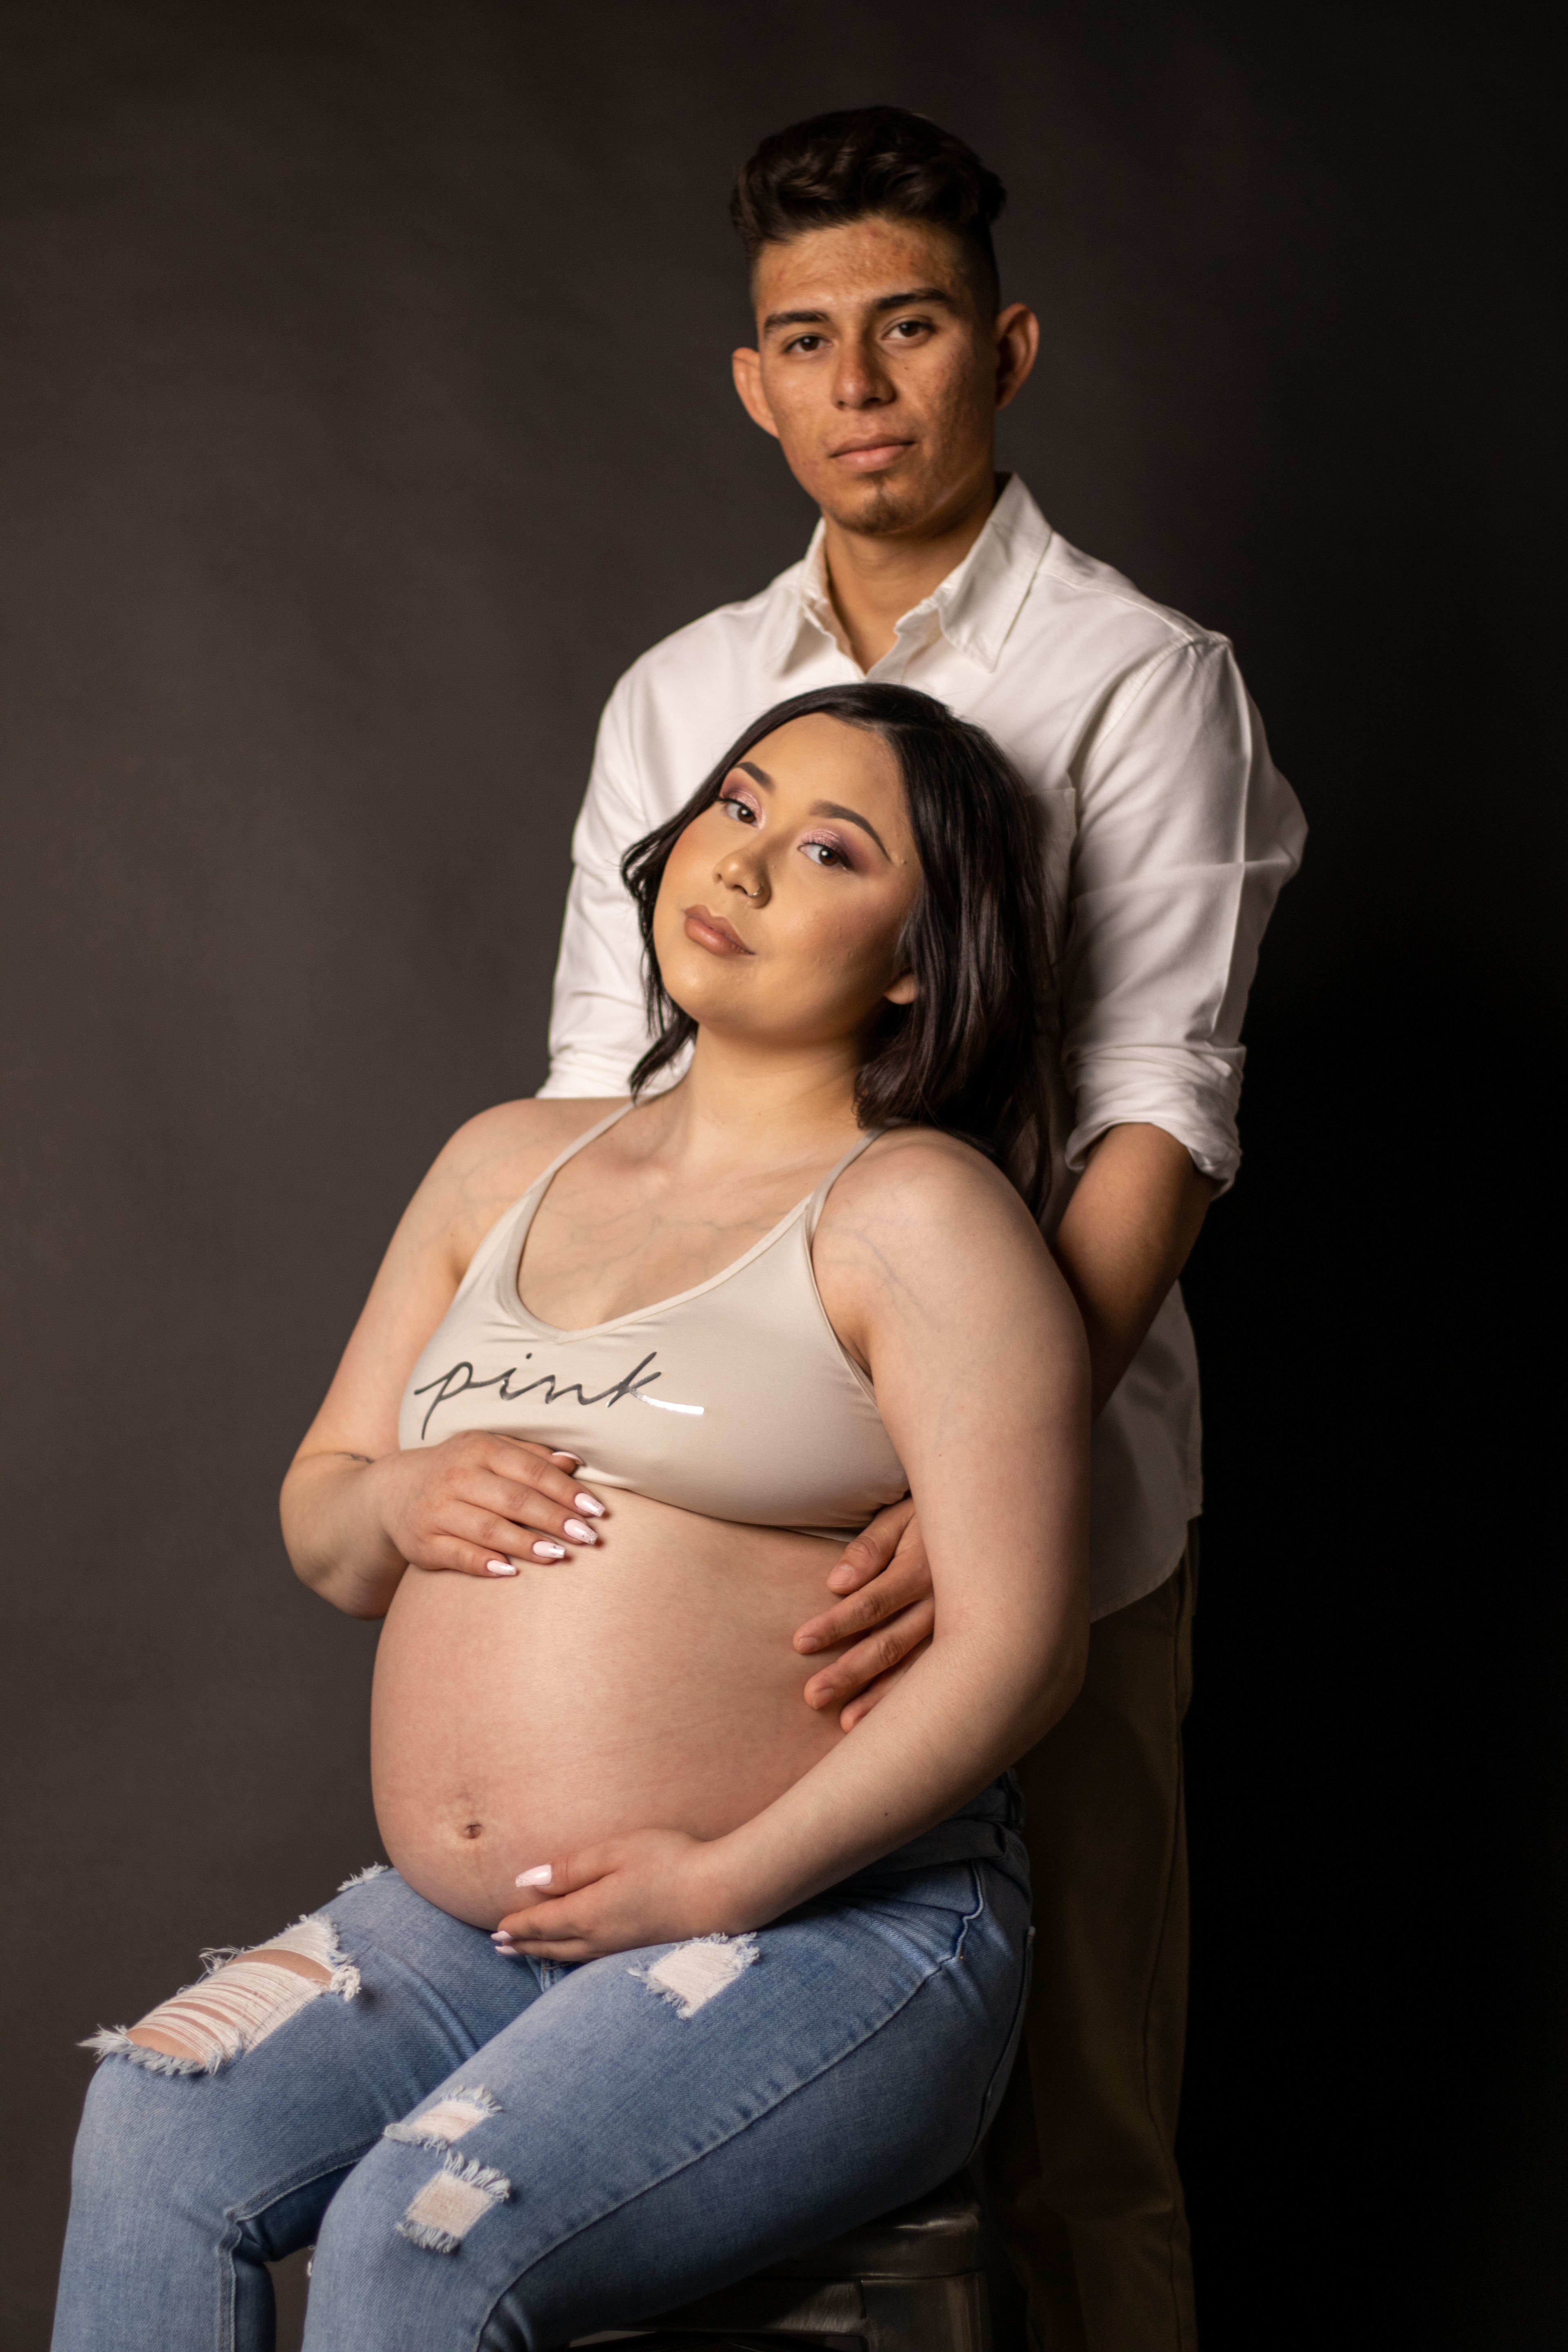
(263, 2138)
(661, 2122)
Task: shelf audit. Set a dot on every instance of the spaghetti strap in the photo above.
(589, 1135)
(813, 1207)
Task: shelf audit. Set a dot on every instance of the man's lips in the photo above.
(711, 931)
(864, 456)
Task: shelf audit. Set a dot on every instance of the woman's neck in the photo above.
(744, 1106)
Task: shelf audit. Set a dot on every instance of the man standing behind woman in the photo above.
(883, 354)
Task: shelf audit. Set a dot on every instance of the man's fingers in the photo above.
(888, 1648)
(860, 1706)
(895, 1589)
(871, 1550)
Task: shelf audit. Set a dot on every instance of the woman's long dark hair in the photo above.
(969, 1054)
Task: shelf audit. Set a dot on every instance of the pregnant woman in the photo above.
(671, 1975)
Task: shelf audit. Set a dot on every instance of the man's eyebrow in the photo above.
(918, 294)
(883, 302)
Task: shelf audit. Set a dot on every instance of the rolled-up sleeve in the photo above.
(598, 1027)
(1186, 834)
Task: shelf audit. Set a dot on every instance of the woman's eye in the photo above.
(738, 808)
(824, 853)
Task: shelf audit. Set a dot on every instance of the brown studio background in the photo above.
(365, 411)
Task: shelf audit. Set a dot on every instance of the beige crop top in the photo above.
(735, 1399)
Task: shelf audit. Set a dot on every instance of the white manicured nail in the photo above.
(537, 1878)
(548, 1551)
(500, 1567)
(586, 1503)
(580, 1531)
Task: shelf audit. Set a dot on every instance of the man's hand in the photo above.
(885, 1572)
(651, 1886)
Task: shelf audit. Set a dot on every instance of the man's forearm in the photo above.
(1127, 1231)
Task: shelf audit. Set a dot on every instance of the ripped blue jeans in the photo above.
(501, 2153)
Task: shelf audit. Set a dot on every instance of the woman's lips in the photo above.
(711, 931)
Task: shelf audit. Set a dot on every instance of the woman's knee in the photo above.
(384, 2245)
(134, 2141)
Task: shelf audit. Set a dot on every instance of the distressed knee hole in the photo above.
(244, 1997)
(441, 2214)
(692, 1974)
(453, 2114)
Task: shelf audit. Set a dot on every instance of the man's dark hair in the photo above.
(969, 1054)
(875, 159)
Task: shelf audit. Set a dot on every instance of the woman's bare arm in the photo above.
(355, 1510)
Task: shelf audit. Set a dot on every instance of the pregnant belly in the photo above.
(647, 1683)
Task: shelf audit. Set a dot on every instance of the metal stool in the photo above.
(920, 2280)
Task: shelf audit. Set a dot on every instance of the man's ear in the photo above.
(747, 367)
(1017, 345)
(904, 990)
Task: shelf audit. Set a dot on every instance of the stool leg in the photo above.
(928, 2315)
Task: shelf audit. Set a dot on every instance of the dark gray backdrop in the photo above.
(365, 411)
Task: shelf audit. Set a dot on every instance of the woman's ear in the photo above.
(904, 991)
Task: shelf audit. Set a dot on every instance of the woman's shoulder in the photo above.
(926, 1175)
(923, 1235)
(495, 1156)
(919, 1196)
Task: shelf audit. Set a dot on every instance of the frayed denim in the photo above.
(493, 2153)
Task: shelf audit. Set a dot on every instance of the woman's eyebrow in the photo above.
(850, 816)
(822, 808)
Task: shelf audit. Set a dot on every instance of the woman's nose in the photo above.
(746, 870)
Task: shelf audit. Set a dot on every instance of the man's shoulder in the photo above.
(1098, 607)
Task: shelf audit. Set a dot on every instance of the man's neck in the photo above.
(875, 578)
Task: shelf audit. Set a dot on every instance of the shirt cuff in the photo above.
(1139, 1091)
(582, 1075)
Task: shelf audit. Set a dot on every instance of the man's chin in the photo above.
(876, 506)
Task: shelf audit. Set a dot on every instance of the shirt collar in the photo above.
(974, 607)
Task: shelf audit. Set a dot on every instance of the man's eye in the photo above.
(804, 343)
(910, 328)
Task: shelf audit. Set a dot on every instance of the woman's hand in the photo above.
(651, 1886)
(885, 1572)
(478, 1504)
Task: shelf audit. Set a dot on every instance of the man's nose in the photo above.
(861, 381)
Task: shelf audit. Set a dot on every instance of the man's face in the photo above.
(879, 373)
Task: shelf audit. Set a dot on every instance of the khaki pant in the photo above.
(1079, 2164)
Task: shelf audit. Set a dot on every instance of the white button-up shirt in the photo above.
(1170, 831)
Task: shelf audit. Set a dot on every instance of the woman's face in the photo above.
(782, 906)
